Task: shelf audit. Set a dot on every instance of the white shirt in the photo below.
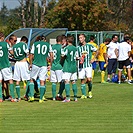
(111, 50)
(123, 48)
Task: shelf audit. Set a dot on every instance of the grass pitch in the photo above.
(109, 111)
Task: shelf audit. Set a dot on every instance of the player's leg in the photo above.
(66, 77)
(33, 76)
(102, 68)
(93, 68)
(53, 80)
(18, 90)
(1, 99)
(16, 77)
(7, 75)
(59, 75)
(42, 77)
(88, 71)
(83, 86)
(74, 85)
(25, 76)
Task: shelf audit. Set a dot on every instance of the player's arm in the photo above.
(31, 56)
(116, 52)
(10, 49)
(94, 49)
(51, 58)
(63, 56)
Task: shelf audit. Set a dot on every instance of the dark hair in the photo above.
(64, 37)
(59, 38)
(37, 38)
(82, 35)
(70, 39)
(92, 37)
(127, 38)
(42, 37)
(11, 37)
(114, 35)
(24, 39)
(107, 40)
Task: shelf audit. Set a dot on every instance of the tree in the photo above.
(23, 13)
(43, 9)
(36, 13)
(4, 14)
(79, 15)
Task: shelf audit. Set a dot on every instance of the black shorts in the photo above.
(123, 63)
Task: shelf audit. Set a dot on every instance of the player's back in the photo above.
(4, 60)
(20, 50)
(40, 51)
(56, 48)
(70, 62)
(102, 50)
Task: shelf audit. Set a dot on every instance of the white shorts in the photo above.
(40, 72)
(21, 71)
(56, 76)
(6, 74)
(69, 76)
(85, 72)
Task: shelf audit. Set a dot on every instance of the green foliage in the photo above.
(90, 15)
(4, 14)
(11, 26)
(79, 15)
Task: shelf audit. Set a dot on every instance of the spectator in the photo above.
(112, 57)
(124, 49)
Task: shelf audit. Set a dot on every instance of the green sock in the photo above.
(62, 87)
(18, 91)
(83, 89)
(53, 90)
(42, 91)
(11, 86)
(74, 88)
(89, 86)
(31, 89)
(67, 89)
(1, 91)
(27, 89)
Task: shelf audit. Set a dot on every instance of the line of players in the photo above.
(62, 65)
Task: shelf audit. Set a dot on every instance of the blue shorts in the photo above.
(101, 65)
(94, 65)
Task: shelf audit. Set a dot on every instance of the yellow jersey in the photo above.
(102, 50)
(96, 46)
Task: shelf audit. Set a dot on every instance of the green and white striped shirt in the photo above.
(88, 49)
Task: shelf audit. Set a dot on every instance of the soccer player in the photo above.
(56, 68)
(62, 83)
(112, 57)
(69, 69)
(21, 71)
(38, 65)
(5, 68)
(103, 59)
(85, 65)
(11, 41)
(94, 64)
